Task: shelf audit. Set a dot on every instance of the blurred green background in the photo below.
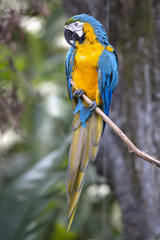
(35, 124)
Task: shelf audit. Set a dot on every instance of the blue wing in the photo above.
(107, 77)
(69, 64)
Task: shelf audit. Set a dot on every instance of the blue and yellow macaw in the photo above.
(92, 64)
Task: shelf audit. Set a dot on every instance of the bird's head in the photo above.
(74, 29)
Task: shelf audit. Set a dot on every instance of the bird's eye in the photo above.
(76, 24)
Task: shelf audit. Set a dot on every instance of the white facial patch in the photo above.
(76, 27)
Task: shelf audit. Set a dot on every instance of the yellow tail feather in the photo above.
(76, 151)
(71, 218)
(79, 180)
(84, 148)
(96, 128)
(76, 122)
(72, 201)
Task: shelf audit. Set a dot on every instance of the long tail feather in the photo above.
(76, 122)
(84, 148)
(79, 180)
(72, 201)
(71, 218)
(96, 128)
(76, 151)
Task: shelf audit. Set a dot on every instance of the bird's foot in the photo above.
(78, 93)
(93, 105)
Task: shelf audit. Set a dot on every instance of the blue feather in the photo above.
(85, 113)
(79, 106)
(107, 77)
(69, 69)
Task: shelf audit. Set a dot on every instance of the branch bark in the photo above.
(131, 147)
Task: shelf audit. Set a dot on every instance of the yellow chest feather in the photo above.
(85, 67)
(87, 55)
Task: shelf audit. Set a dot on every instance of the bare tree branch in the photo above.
(131, 147)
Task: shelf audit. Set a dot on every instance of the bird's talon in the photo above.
(78, 93)
(93, 105)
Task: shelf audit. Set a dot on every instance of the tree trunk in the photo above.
(133, 27)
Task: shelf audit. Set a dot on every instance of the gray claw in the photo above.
(93, 105)
(78, 93)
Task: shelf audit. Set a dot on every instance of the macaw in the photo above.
(92, 65)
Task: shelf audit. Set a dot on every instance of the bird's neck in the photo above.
(89, 35)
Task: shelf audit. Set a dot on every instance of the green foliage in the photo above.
(35, 123)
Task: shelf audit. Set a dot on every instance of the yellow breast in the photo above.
(85, 67)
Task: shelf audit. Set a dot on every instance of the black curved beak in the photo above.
(68, 34)
(72, 36)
